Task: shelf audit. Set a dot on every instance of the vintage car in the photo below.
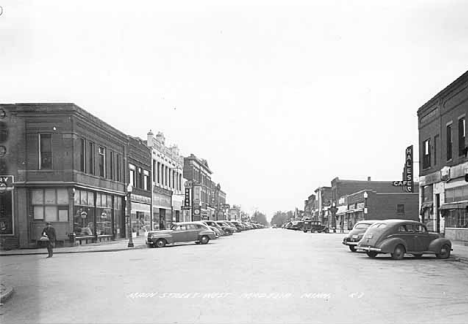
(314, 226)
(356, 234)
(179, 233)
(399, 237)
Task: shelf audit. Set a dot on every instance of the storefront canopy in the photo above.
(341, 210)
(455, 205)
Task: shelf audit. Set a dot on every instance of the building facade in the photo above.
(198, 173)
(168, 190)
(443, 162)
(68, 168)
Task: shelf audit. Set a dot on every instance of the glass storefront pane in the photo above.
(38, 212)
(90, 199)
(37, 196)
(109, 201)
(50, 213)
(50, 196)
(62, 196)
(84, 198)
(76, 198)
(63, 215)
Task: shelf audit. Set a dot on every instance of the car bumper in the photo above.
(369, 249)
(350, 243)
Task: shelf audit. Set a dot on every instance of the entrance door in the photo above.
(162, 219)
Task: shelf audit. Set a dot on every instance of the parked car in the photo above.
(356, 234)
(214, 224)
(296, 225)
(314, 226)
(180, 232)
(399, 237)
(238, 225)
(226, 227)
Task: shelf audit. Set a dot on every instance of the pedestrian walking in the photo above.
(49, 231)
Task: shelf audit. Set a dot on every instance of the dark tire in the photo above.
(352, 248)
(399, 252)
(444, 252)
(372, 254)
(161, 243)
(417, 256)
(204, 239)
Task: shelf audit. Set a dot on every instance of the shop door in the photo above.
(438, 213)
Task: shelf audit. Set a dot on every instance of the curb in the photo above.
(7, 294)
(70, 252)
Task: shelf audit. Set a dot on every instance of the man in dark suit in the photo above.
(49, 231)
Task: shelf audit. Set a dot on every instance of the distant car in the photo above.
(314, 226)
(356, 234)
(296, 225)
(213, 223)
(180, 233)
(399, 237)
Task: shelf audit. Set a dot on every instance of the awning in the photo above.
(341, 210)
(454, 205)
(355, 210)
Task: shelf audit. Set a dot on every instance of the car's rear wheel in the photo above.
(352, 248)
(399, 252)
(372, 254)
(161, 243)
(204, 239)
(417, 256)
(444, 252)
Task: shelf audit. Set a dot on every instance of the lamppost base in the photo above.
(130, 244)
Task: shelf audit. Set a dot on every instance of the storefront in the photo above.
(162, 207)
(141, 214)
(177, 202)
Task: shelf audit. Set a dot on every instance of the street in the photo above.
(258, 276)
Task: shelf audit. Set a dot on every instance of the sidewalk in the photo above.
(119, 245)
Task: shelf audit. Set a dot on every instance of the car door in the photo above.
(422, 238)
(192, 232)
(406, 233)
(180, 233)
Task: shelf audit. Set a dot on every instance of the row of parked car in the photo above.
(200, 232)
(306, 225)
(396, 237)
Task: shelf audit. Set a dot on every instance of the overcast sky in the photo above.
(279, 97)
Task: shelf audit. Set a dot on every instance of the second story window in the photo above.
(426, 154)
(91, 157)
(146, 182)
(132, 175)
(102, 161)
(82, 155)
(45, 151)
(111, 166)
(461, 136)
(118, 175)
(400, 209)
(449, 142)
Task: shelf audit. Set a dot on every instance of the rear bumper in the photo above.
(350, 243)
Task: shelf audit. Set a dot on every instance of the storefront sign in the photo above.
(162, 201)
(408, 177)
(187, 197)
(196, 195)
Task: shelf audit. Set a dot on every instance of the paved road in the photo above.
(262, 276)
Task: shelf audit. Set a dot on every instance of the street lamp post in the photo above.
(129, 211)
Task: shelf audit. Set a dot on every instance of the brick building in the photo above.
(69, 168)
(443, 160)
(198, 173)
(358, 200)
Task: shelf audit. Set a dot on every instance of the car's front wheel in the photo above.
(399, 252)
(444, 252)
(372, 254)
(161, 243)
(352, 248)
(204, 239)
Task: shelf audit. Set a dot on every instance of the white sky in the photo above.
(279, 97)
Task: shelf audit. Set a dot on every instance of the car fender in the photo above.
(388, 245)
(437, 244)
(169, 239)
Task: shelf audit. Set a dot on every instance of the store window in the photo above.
(45, 151)
(456, 218)
(50, 205)
(83, 214)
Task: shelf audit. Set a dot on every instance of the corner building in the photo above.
(443, 163)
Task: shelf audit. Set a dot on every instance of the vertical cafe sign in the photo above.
(6, 205)
(409, 174)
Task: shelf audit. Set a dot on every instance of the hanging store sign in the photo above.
(187, 197)
(409, 176)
